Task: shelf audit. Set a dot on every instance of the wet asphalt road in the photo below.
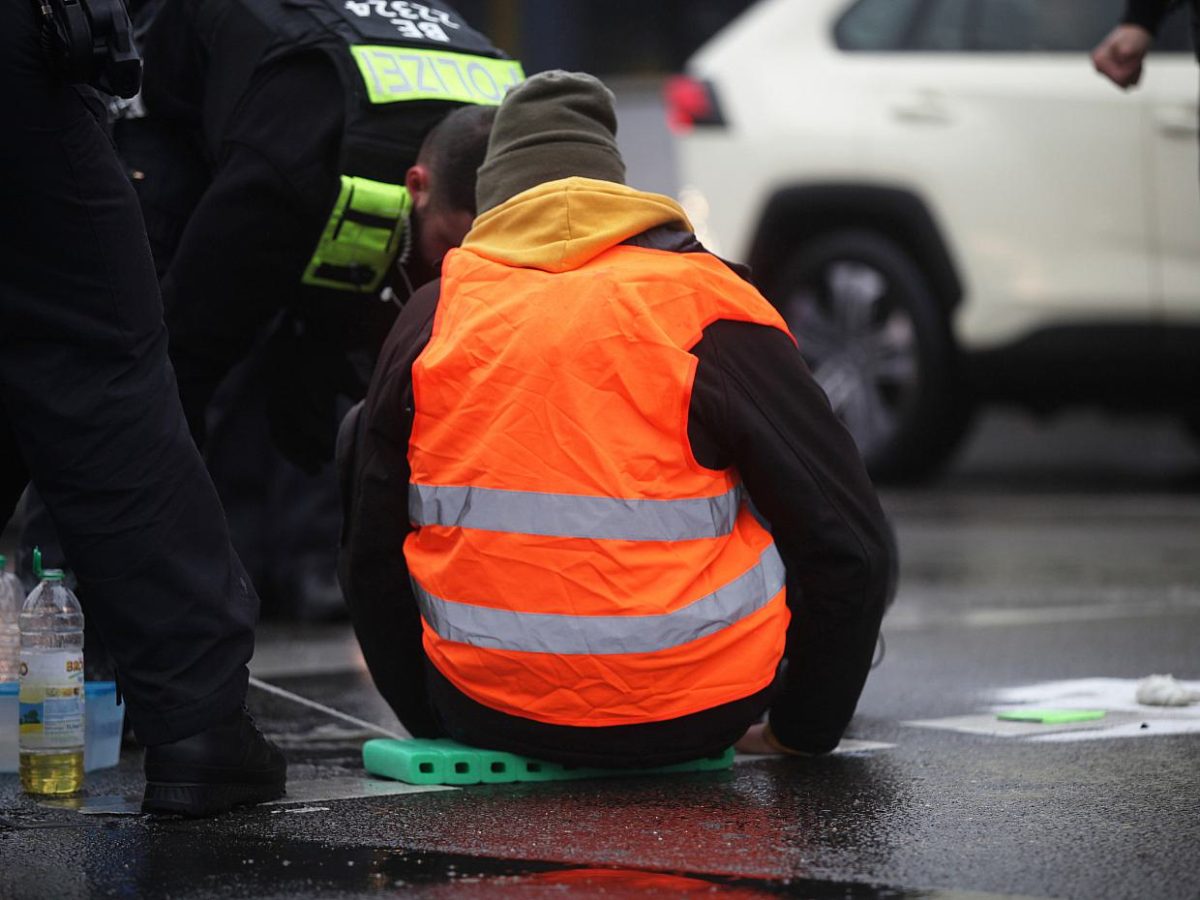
(1013, 573)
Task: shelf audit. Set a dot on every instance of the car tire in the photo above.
(876, 340)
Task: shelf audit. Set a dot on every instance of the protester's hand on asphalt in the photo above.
(1119, 56)
(753, 741)
(759, 739)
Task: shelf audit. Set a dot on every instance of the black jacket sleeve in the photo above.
(374, 472)
(756, 406)
(1147, 13)
(244, 249)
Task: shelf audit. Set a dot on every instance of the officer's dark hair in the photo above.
(452, 152)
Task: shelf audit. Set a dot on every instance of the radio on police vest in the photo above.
(91, 42)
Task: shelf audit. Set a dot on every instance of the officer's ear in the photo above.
(417, 180)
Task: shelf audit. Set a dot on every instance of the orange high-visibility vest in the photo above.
(573, 563)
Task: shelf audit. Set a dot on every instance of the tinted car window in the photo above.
(875, 25)
(942, 26)
(1044, 26)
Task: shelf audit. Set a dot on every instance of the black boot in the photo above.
(230, 764)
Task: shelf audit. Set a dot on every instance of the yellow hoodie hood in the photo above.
(560, 225)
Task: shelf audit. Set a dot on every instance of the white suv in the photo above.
(949, 206)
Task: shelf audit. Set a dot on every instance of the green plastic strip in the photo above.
(422, 761)
(1051, 716)
(395, 74)
(362, 235)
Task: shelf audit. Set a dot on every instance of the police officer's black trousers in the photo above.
(89, 407)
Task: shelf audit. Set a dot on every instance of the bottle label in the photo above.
(51, 700)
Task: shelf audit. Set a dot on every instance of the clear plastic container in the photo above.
(12, 596)
(105, 723)
(52, 692)
(8, 726)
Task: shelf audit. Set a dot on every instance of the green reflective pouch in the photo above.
(362, 236)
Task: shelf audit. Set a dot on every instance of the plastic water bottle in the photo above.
(12, 595)
(52, 693)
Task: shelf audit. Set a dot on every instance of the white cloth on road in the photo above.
(1164, 690)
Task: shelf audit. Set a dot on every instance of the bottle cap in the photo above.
(53, 575)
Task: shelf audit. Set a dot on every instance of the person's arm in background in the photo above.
(1119, 57)
(374, 473)
(757, 407)
(245, 247)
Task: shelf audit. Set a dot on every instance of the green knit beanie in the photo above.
(554, 125)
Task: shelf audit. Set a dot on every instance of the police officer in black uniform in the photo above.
(325, 195)
(89, 410)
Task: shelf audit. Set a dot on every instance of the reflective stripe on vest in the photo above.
(394, 74)
(362, 236)
(499, 629)
(569, 515)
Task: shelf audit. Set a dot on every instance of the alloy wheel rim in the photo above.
(861, 346)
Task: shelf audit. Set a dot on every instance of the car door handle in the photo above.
(924, 108)
(1178, 121)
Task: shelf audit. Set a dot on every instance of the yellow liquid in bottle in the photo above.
(52, 773)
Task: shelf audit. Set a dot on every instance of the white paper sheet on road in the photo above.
(1125, 717)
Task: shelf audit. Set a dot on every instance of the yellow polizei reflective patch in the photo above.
(395, 74)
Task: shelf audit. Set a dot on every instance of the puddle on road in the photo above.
(307, 791)
(104, 805)
(225, 863)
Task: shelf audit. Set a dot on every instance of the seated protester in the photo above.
(549, 547)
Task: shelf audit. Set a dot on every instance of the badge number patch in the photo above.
(414, 21)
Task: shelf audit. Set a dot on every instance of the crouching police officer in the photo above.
(338, 180)
(89, 410)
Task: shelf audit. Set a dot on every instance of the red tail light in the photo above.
(690, 102)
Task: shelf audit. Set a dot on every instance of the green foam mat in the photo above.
(442, 761)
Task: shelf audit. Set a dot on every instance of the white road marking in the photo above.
(1095, 693)
(1140, 728)
(322, 790)
(846, 747)
(987, 724)
(1117, 696)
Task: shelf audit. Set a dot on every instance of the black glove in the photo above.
(305, 375)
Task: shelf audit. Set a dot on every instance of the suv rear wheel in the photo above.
(874, 337)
